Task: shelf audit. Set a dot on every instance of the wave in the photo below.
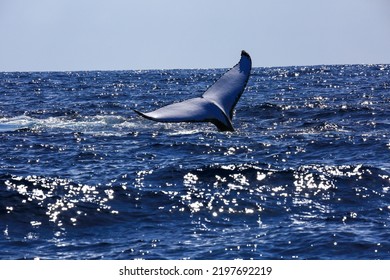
(52, 200)
(215, 190)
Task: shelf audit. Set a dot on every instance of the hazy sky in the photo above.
(48, 35)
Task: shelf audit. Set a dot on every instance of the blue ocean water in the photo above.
(306, 174)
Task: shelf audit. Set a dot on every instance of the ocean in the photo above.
(305, 174)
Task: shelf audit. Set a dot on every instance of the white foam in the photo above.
(15, 123)
(86, 124)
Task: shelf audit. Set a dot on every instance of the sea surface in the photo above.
(305, 175)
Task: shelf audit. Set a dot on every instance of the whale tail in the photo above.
(216, 105)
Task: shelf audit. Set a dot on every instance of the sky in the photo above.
(72, 35)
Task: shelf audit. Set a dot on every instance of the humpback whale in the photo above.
(215, 105)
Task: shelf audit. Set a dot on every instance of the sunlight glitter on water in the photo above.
(59, 197)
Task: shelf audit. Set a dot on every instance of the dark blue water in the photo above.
(306, 174)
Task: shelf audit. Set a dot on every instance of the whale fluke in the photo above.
(215, 105)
